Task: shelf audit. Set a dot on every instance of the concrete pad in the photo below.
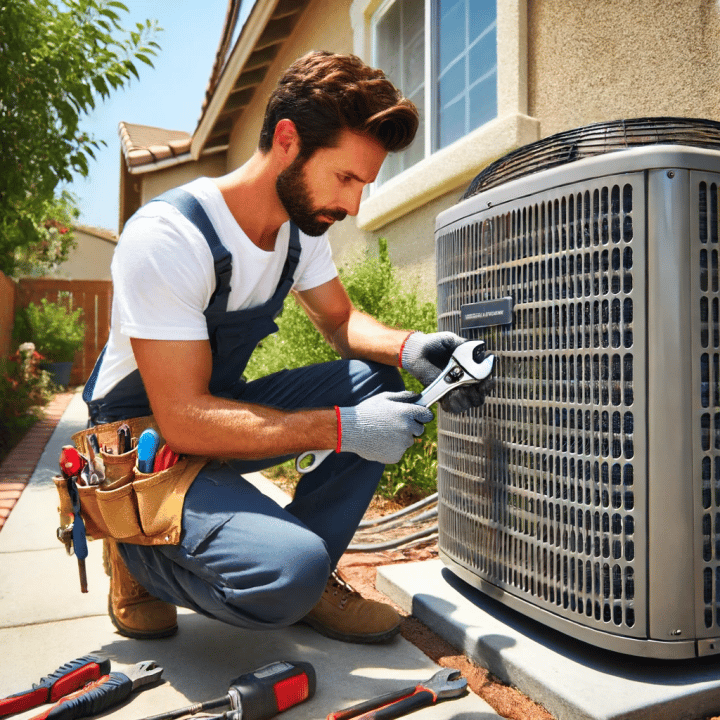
(205, 656)
(572, 680)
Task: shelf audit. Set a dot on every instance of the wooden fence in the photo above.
(7, 314)
(93, 296)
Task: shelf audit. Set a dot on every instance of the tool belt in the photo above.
(130, 506)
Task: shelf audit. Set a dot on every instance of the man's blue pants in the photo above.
(242, 558)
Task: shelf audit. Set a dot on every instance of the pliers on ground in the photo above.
(82, 688)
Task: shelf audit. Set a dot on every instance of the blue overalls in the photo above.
(242, 558)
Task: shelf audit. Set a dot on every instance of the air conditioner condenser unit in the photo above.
(586, 492)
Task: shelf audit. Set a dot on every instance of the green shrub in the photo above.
(56, 330)
(24, 389)
(374, 288)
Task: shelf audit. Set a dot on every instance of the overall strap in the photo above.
(191, 208)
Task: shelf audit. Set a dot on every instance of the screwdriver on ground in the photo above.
(258, 695)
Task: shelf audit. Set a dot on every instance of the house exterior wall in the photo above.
(158, 182)
(89, 260)
(590, 62)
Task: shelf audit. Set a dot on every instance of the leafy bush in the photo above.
(24, 389)
(55, 328)
(374, 288)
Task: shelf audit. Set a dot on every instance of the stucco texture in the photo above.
(595, 61)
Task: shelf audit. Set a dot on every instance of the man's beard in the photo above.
(293, 193)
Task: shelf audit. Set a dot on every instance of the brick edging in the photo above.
(18, 467)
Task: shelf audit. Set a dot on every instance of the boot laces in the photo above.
(339, 586)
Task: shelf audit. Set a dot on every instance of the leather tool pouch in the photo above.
(130, 506)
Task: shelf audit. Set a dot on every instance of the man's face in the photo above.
(328, 185)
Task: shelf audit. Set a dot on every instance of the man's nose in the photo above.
(350, 201)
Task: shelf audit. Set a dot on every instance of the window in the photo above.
(443, 55)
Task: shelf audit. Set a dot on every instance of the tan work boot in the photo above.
(343, 614)
(133, 610)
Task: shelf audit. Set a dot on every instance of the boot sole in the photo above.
(365, 639)
(139, 634)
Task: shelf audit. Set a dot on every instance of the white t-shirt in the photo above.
(163, 276)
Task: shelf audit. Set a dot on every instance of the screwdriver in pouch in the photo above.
(258, 695)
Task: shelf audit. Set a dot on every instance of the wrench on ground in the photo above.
(445, 684)
(467, 364)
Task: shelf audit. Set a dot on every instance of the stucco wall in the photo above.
(158, 182)
(594, 61)
(90, 260)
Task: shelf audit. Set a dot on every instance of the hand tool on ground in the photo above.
(71, 465)
(105, 692)
(66, 679)
(468, 364)
(258, 695)
(445, 684)
(147, 447)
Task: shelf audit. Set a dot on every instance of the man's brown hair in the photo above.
(325, 93)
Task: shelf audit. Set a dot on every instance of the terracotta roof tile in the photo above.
(143, 144)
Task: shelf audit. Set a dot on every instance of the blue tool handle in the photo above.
(147, 447)
(104, 693)
(79, 538)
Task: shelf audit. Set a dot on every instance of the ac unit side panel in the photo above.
(671, 579)
(705, 365)
(543, 493)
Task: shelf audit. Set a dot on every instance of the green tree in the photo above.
(57, 59)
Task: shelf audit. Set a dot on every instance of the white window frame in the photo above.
(453, 167)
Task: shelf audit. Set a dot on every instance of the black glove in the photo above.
(426, 356)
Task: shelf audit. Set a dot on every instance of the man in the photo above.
(193, 297)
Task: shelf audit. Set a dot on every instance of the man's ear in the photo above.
(286, 140)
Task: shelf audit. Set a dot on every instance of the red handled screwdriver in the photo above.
(258, 695)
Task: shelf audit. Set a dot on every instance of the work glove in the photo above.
(383, 427)
(425, 356)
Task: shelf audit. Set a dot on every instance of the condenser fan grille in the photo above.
(597, 139)
(543, 501)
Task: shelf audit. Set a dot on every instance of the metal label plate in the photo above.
(487, 314)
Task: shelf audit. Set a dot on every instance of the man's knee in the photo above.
(295, 582)
(375, 378)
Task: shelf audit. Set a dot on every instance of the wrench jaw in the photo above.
(447, 683)
(468, 364)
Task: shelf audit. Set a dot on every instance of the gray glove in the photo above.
(425, 357)
(383, 427)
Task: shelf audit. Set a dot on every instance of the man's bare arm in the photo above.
(176, 375)
(352, 333)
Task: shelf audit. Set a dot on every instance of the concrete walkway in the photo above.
(45, 622)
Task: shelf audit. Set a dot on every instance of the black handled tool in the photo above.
(105, 692)
(258, 695)
(444, 684)
(64, 680)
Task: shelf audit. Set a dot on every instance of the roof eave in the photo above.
(245, 46)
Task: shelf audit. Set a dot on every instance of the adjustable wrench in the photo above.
(442, 685)
(468, 364)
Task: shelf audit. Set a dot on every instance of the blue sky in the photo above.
(170, 95)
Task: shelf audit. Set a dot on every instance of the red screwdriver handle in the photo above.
(95, 697)
(64, 680)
